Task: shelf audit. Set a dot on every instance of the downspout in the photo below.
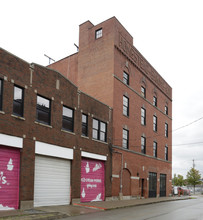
(121, 176)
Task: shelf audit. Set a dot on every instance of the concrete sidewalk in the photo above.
(59, 212)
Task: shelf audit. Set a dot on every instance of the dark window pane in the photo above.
(68, 121)
(43, 110)
(18, 101)
(84, 125)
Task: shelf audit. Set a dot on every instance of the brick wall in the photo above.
(39, 80)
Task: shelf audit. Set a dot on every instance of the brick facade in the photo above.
(39, 80)
(100, 66)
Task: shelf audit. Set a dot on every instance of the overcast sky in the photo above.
(168, 33)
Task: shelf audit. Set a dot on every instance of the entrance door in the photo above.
(152, 184)
(9, 177)
(142, 187)
(162, 185)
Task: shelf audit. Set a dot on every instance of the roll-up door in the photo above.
(9, 177)
(92, 180)
(52, 181)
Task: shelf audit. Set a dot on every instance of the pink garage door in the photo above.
(9, 177)
(92, 180)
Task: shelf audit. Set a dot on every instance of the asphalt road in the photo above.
(191, 209)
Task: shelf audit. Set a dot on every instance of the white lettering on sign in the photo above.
(3, 178)
(91, 186)
(88, 180)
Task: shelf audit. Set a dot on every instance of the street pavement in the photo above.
(59, 212)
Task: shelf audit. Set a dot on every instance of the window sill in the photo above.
(86, 137)
(99, 141)
(39, 123)
(18, 117)
(1, 112)
(69, 132)
(127, 116)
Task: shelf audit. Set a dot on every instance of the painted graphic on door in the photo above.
(92, 180)
(9, 178)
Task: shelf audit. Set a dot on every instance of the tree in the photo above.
(193, 177)
(178, 180)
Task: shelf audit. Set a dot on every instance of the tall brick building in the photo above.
(109, 68)
(55, 141)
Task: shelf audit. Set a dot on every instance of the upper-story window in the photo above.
(18, 101)
(99, 131)
(125, 138)
(166, 130)
(166, 152)
(68, 119)
(125, 106)
(1, 94)
(43, 110)
(166, 110)
(155, 149)
(84, 125)
(125, 78)
(154, 101)
(98, 33)
(143, 91)
(143, 145)
(154, 123)
(143, 116)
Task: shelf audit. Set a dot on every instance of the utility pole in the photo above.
(193, 163)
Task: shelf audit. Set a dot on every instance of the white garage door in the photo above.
(52, 181)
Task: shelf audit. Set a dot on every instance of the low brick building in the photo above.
(109, 68)
(55, 141)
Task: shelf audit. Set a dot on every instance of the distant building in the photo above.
(109, 68)
(55, 140)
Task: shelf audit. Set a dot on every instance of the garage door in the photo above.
(9, 177)
(92, 180)
(52, 181)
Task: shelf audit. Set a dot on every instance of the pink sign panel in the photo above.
(92, 180)
(9, 178)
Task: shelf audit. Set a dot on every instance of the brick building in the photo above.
(55, 140)
(109, 68)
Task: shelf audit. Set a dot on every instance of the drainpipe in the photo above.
(121, 176)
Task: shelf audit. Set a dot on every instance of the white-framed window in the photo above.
(98, 33)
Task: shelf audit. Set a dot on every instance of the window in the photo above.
(143, 145)
(143, 116)
(1, 94)
(143, 91)
(125, 138)
(125, 106)
(166, 110)
(155, 101)
(166, 130)
(98, 33)
(84, 125)
(125, 78)
(99, 130)
(155, 149)
(18, 101)
(43, 110)
(68, 119)
(154, 123)
(166, 153)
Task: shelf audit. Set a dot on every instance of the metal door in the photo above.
(162, 185)
(9, 177)
(92, 180)
(152, 184)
